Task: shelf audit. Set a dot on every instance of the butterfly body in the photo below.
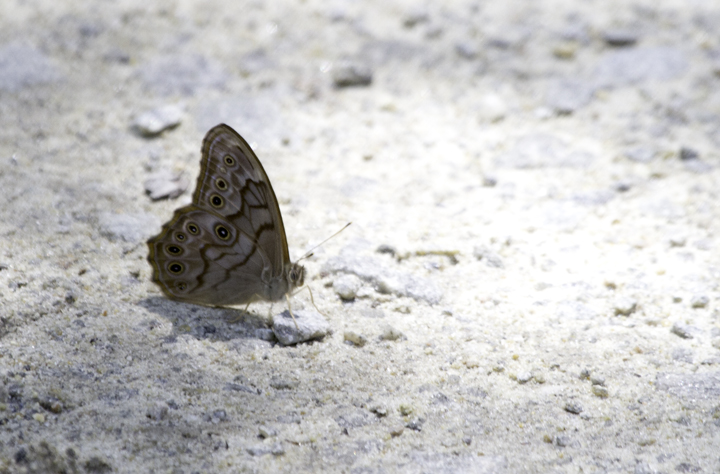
(229, 246)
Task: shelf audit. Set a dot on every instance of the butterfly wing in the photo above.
(229, 246)
(199, 257)
(248, 201)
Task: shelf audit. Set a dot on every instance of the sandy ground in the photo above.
(531, 277)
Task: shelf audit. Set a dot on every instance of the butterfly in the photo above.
(228, 247)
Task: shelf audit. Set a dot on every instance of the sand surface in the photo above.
(530, 282)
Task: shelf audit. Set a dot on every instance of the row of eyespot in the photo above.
(221, 231)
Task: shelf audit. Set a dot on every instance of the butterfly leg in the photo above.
(238, 318)
(245, 310)
(287, 297)
(312, 300)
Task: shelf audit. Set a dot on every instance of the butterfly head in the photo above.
(296, 275)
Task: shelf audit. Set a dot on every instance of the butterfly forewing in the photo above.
(228, 246)
(249, 201)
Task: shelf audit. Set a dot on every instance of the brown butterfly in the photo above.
(228, 247)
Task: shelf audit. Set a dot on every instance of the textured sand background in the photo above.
(531, 279)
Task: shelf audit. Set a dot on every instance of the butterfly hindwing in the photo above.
(201, 258)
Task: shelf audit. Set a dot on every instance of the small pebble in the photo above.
(599, 391)
(688, 154)
(466, 50)
(561, 441)
(379, 409)
(277, 449)
(51, 404)
(681, 330)
(640, 154)
(310, 325)
(565, 50)
(389, 249)
(39, 417)
(153, 122)
(414, 17)
(415, 424)
(489, 181)
(346, 286)
(157, 412)
(699, 301)
(524, 377)
(678, 240)
(258, 450)
(574, 408)
(389, 333)
(279, 383)
(625, 306)
(492, 108)
(165, 184)
(620, 37)
(355, 338)
(491, 258)
(267, 432)
(597, 380)
(396, 431)
(622, 186)
(405, 409)
(350, 75)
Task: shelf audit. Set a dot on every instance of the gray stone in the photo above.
(165, 184)
(153, 122)
(699, 301)
(680, 354)
(682, 330)
(640, 154)
(541, 150)
(389, 333)
(697, 386)
(688, 154)
(565, 96)
(491, 258)
(347, 286)
(158, 411)
(355, 338)
(374, 271)
(22, 66)
(415, 16)
(625, 306)
(632, 66)
(524, 377)
(128, 227)
(280, 383)
(574, 408)
(349, 74)
(310, 325)
(467, 50)
(620, 37)
(267, 432)
(599, 391)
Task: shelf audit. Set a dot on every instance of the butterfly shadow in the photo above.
(205, 322)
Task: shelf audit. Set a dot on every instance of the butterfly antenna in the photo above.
(310, 252)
